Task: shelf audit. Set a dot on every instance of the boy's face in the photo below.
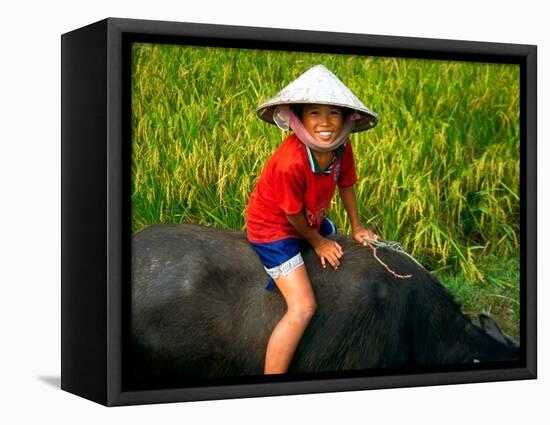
(323, 122)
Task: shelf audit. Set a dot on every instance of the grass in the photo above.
(440, 173)
(497, 295)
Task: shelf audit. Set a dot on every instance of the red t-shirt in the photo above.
(288, 185)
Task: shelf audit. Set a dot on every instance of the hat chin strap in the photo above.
(285, 119)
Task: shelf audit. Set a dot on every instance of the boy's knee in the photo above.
(304, 311)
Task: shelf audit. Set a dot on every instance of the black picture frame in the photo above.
(96, 232)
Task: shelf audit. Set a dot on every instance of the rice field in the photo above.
(439, 174)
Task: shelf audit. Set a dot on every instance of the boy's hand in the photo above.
(329, 250)
(360, 233)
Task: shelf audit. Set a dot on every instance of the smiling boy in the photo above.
(288, 205)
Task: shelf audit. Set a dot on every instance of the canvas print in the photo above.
(303, 214)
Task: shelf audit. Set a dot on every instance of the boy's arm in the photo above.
(347, 194)
(300, 224)
(326, 249)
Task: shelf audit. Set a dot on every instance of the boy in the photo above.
(288, 204)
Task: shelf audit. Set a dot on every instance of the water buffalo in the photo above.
(199, 309)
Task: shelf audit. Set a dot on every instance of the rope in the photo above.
(394, 246)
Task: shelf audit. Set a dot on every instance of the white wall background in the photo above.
(30, 211)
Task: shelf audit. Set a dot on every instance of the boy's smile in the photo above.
(323, 122)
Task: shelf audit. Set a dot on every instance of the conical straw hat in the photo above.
(319, 85)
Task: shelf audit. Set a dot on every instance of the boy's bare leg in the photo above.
(301, 306)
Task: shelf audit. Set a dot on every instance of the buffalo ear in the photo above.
(491, 328)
